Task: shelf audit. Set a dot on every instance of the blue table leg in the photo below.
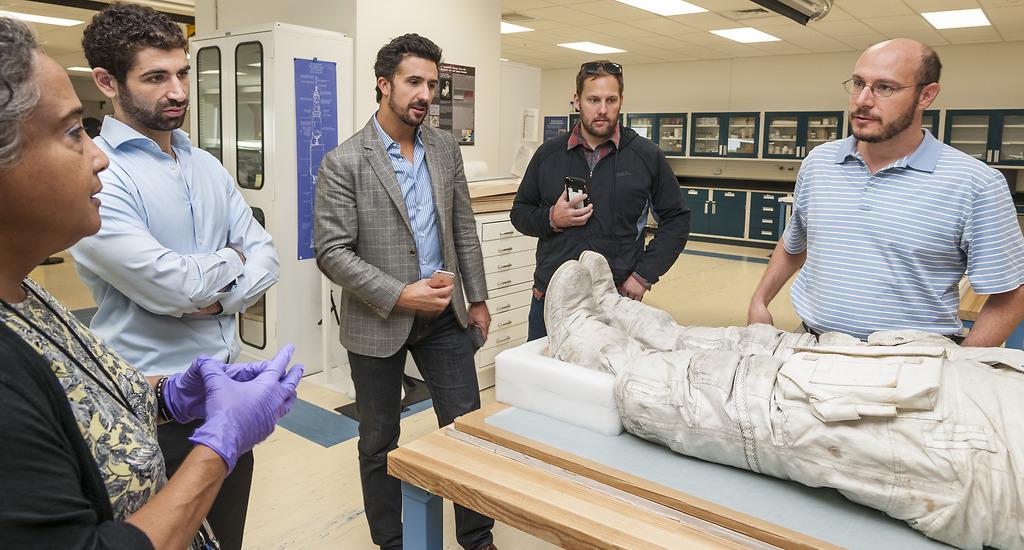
(422, 527)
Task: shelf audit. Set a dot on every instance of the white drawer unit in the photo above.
(510, 245)
(509, 261)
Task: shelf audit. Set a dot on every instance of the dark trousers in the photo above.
(536, 329)
(444, 356)
(227, 516)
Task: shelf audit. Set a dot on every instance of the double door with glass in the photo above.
(991, 136)
(667, 131)
(724, 135)
(793, 135)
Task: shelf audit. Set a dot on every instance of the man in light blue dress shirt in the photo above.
(179, 254)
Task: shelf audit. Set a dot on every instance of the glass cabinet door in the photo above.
(643, 125)
(1011, 143)
(930, 122)
(249, 114)
(781, 132)
(821, 129)
(672, 134)
(742, 135)
(969, 133)
(208, 104)
(707, 134)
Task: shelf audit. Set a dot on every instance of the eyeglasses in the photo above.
(593, 67)
(856, 86)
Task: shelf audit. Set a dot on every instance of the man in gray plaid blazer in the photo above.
(392, 207)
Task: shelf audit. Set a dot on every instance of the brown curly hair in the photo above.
(117, 33)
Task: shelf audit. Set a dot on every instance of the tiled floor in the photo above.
(306, 496)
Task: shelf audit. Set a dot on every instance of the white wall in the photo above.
(520, 89)
(973, 76)
(467, 31)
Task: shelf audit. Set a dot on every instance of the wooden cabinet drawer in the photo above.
(498, 230)
(486, 357)
(519, 288)
(508, 319)
(504, 336)
(507, 246)
(502, 279)
(508, 262)
(509, 302)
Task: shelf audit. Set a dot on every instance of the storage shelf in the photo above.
(823, 125)
(781, 139)
(970, 126)
(968, 142)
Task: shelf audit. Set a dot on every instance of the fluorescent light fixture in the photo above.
(507, 28)
(957, 19)
(664, 7)
(502, 59)
(590, 47)
(746, 35)
(80, 69)
(32, 18)
(210, 71)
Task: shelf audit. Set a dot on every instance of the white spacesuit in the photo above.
(910, 423)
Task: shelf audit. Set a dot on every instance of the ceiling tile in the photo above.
(999, 3)
(971, 35)
(862, 42)
(619, 30)
(705, 21)
(725, 5)
(874, 8)
(612, 10)
(1007, 15)
(565, 15)
(839, 29)
(1011, 31)
(663, 25)
(941, 5)
(780, 48)
(515, 5)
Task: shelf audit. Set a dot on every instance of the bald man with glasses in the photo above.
(623, 177)
(887, 221)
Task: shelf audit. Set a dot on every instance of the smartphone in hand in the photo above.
(574, 187)
(441, 278)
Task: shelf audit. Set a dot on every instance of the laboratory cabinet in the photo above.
(724, 135)
(994, 136)
(666, 130)
(717, 212)
(793, 135)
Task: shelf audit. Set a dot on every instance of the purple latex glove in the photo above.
(241, 414)
(185, 392)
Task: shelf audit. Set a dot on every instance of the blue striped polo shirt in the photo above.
(887, 250)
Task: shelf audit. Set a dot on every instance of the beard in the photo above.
(405, 115)
(889, 130)
(153, 117)
(589, 126)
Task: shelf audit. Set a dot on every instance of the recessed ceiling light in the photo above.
(746, 35)
(957, 19)
(41, 19)
(507, 28)
(591, 47)
(503, 59)
(80, 69)
(664, 7)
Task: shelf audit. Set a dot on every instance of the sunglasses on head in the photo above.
(597, 66)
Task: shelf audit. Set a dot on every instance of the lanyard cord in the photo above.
(117, 394)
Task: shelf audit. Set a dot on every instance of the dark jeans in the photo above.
(536, 329)
(227, 516)
(444, 356)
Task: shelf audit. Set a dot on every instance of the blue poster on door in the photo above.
(316, 133)
(555, 126)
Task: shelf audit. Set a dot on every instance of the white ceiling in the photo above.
(852, 25)
(649, 38)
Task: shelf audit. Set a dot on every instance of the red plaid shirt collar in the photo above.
(576, 139)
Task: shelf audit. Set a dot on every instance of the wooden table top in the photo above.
(553, 508)
(970, 303)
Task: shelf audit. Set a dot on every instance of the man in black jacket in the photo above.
(626, 176)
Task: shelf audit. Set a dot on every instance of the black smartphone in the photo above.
(574, 187)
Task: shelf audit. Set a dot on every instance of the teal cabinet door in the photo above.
(728, 213)
(700, 208)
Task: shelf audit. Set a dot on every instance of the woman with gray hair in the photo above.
(81, 466)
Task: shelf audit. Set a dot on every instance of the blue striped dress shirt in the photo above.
(165, 251)
(414, 179)
(887, 250)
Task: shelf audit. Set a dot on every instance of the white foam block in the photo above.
(525, 378)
